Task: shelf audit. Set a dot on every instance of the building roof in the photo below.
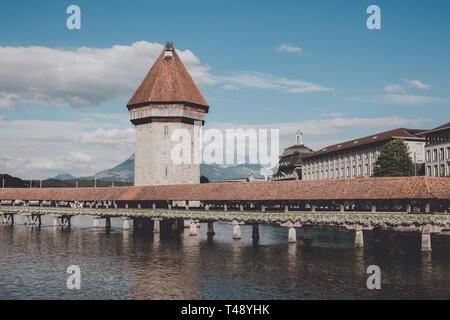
(382, 136)
(442, 127)
(340, 189)
(168, 81)
(296, 149)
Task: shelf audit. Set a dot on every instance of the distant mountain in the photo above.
(64, 176)
(12, 182)
(124, 172)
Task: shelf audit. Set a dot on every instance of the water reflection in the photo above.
(118, 264)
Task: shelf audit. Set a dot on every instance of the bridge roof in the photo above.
(168, 81)
(344, 189)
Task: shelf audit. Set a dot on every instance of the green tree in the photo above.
(394, 160)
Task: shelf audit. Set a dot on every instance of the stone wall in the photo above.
(153, 162)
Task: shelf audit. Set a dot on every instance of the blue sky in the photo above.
(334, 78)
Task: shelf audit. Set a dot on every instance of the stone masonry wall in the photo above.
(153, 163)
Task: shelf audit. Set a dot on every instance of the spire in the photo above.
(299, 137)
(168, 81)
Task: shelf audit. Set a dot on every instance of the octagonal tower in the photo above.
(166, 100)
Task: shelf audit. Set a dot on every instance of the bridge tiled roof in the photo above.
(344, 189)
(168, 81)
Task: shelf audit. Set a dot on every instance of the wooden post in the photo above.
(255, 234)
(108, 223)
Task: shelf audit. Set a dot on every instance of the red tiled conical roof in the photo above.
(168, 81)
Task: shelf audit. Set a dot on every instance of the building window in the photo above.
(434, 154)
(428, 156)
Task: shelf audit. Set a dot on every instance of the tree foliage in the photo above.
(394, 160)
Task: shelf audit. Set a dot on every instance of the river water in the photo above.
(119, 264)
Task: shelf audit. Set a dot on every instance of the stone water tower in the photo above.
(166, 100)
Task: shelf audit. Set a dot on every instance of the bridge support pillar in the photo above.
(359, 238)
(255, 233)
(292, 237)
(210, 232)
(126, 223)
(193, 228)
(236, 231)
(426, 242)
(96, 222)
(108, 223)
(156, 226)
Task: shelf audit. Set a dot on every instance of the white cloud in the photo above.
(42, 149)
(289, 48)
(394, 88)
(267, 81)
(400, 99)
(83, 76)
(320, 133)
(108, 137)
(230, 87)
(417, 84)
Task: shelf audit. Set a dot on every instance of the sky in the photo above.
(312, 65)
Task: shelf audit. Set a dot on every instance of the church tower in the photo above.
(166, 100)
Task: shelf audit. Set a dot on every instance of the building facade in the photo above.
(291, 161)
(356, 158)
(167, 102)
(437, 151)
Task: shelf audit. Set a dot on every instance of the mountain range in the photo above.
(124, 172)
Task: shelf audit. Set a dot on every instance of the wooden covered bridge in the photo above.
(405, 203)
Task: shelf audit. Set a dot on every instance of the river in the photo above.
(119, 264)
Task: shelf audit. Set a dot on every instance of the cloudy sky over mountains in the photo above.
(314, 66)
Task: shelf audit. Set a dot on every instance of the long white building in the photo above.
(356, 158)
